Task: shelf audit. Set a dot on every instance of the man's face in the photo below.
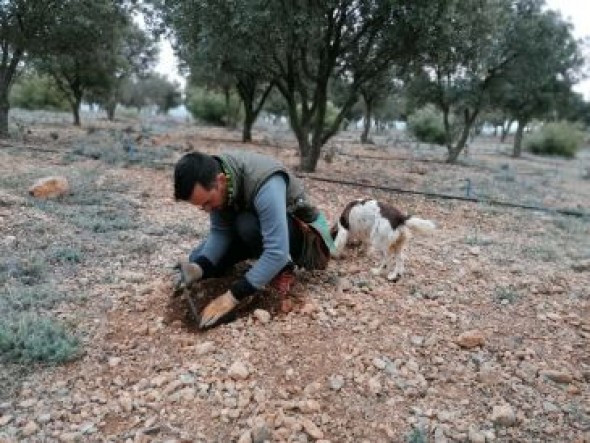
(210, 199)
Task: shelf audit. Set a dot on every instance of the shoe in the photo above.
(284, 280)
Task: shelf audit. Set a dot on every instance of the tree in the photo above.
(135, 54)
(23, 26)
(313, 43)
(32, 91)
(544, 69)
(81, 52)
(220, 56)
(466, 49)
(300, 47)
(150, 90)
(374, 95)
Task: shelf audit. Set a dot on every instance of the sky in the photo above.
(575, 11)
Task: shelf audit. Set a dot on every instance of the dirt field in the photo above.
(485, 339)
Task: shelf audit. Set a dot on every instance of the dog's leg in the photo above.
(398, 254)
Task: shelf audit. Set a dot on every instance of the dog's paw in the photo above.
(393, 276)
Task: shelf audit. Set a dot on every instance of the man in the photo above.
(258, 210)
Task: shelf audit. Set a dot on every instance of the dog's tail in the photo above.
(420, 225)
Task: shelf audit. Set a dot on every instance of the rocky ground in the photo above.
(485, 339)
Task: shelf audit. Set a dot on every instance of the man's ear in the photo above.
(221, 179)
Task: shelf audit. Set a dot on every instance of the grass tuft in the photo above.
(28, 338)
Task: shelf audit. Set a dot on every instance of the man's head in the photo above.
(199, 180)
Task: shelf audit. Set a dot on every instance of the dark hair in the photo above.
(192, 169)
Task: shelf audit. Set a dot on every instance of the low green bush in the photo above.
(27, 338)
(427, 126)
(561, 139)
(210, 106)
(37, 92)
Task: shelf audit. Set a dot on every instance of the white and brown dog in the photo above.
(385, 230)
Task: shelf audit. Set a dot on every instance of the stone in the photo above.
(336, 382)
(475, 436)
(471, 339)
(50, 187)
(558, 376)
(262, 316)
(204, 348)
(311, 429)
(29, 429)
(246, 437)
(238, 371)
(503, 415)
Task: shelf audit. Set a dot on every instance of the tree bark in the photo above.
(506, 129)
(76, 111)
(454, 151)
(4, 108)
(367, 122)
(517, 152)
(248, 123)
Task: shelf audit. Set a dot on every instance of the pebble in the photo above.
(336, 382)
(262, 315)
(503, 415)
(558, 376)
(311, 429)
(471, 339)
(238, 371)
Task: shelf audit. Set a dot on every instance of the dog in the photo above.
(385, 230)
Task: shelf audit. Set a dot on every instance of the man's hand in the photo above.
(188, 274)
(216, 309)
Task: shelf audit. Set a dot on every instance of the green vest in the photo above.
(249, 170)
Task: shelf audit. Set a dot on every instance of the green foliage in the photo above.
(209, 106)
(417, 435)
(561, 139)
(21, 298)
(151, 90)
(66, 255)
(427, 126)
(37, 92)
(29, 272)
(506, 294)
(27, 338)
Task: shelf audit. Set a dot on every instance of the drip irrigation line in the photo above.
(435, 195)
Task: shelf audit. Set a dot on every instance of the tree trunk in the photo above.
(308, 162)
(4, 108)
(110, 108)
(454, 151)
(76, 111)
(518, 138)
(367, 122)
(506, 129)
(248, 123)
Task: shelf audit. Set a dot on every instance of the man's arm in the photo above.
(217, 242)
(271, 208)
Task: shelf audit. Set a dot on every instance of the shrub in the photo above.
(30, 338)
(427, 126)
(30, 298)
(66, 255)
(37, 92)
(210, 106)
(561, 138)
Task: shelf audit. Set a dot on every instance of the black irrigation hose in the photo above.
(562, 211)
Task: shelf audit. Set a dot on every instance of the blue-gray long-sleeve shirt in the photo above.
(270, 206)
